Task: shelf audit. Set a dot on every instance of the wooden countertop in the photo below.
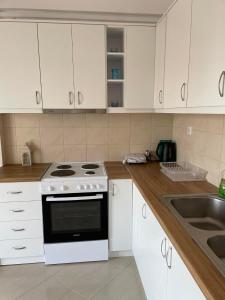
(153, 185)
(116, 170)
(17, 173)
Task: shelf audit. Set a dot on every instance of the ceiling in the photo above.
(109, 6)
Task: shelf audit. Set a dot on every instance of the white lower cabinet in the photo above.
(21, 230)
(120, 215)
(162, 271)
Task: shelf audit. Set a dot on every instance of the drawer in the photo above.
(20, 191)
(12, 211)
(21, 230)
(21, 248)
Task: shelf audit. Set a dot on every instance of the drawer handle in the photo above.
(20, 248)
(15, 192)
(18, 229)
(17, 210)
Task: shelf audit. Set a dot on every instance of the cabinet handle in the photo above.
(71, 98)
(144, 211)
(18, 229)
(222, 77)
(20, 248)
(15, 192)
(79, 97)
(169, 258)
(160, 97)
(17, 210)
(163, 243)
(38, 97)
(113, 189)
(182, 91)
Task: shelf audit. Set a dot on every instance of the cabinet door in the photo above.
(207, 57)
(89, 52)
(20, 86)
(160, 63)
(138, 203)
(120, 215)
(140, 67)
(55, 44)
(180, 284)
(177, 54)
(147, 239)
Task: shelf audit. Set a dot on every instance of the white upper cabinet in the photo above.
(139, 67)
(56, 62)
(160, 63)
(177, 54)
(89, 54)
(20, 86)
(207, 56)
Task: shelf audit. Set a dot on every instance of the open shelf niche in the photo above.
(115, 66)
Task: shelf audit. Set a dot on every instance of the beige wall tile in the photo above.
(51, 120)
(52, 153)
(97, 152)
(162, 120)
(27, 120)
(10, 155)
(96, 136)
(9, 136)
(51, 136)
(97, 120)
(74, 136)
(140, 136)
(143, 121)
(139, 148)
(75, 153)
(8, 120)
(27, 135)
(206, 146)
(81, 136)
(74, 120)
(119, 120)
(118, 136)
(117, 152)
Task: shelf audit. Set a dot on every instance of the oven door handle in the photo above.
(61, 199)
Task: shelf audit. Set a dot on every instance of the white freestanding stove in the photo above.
(75, 212)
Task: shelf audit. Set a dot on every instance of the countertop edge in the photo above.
(210, 280)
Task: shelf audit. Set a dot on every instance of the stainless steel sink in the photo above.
(203, 216)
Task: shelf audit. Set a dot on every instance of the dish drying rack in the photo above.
(183, 172)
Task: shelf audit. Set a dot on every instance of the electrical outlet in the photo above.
(189, 130)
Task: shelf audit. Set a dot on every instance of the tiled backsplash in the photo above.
(206, 146)
(81, 137)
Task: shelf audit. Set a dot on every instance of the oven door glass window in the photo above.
(83, 216)
(78, 220)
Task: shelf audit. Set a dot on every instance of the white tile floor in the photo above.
(116, 279)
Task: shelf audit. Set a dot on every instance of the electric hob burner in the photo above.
(90, 166)
(64, 167)
(90, 173)
(62, 173)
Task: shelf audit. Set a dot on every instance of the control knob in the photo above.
(50, 188)
(63, 188)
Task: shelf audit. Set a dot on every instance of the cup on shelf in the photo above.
(116, 73)
(115, 103)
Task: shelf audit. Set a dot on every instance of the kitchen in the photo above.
(83, 88)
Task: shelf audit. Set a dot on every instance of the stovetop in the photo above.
(74, 170)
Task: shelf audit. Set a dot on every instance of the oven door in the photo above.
(75, 217)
